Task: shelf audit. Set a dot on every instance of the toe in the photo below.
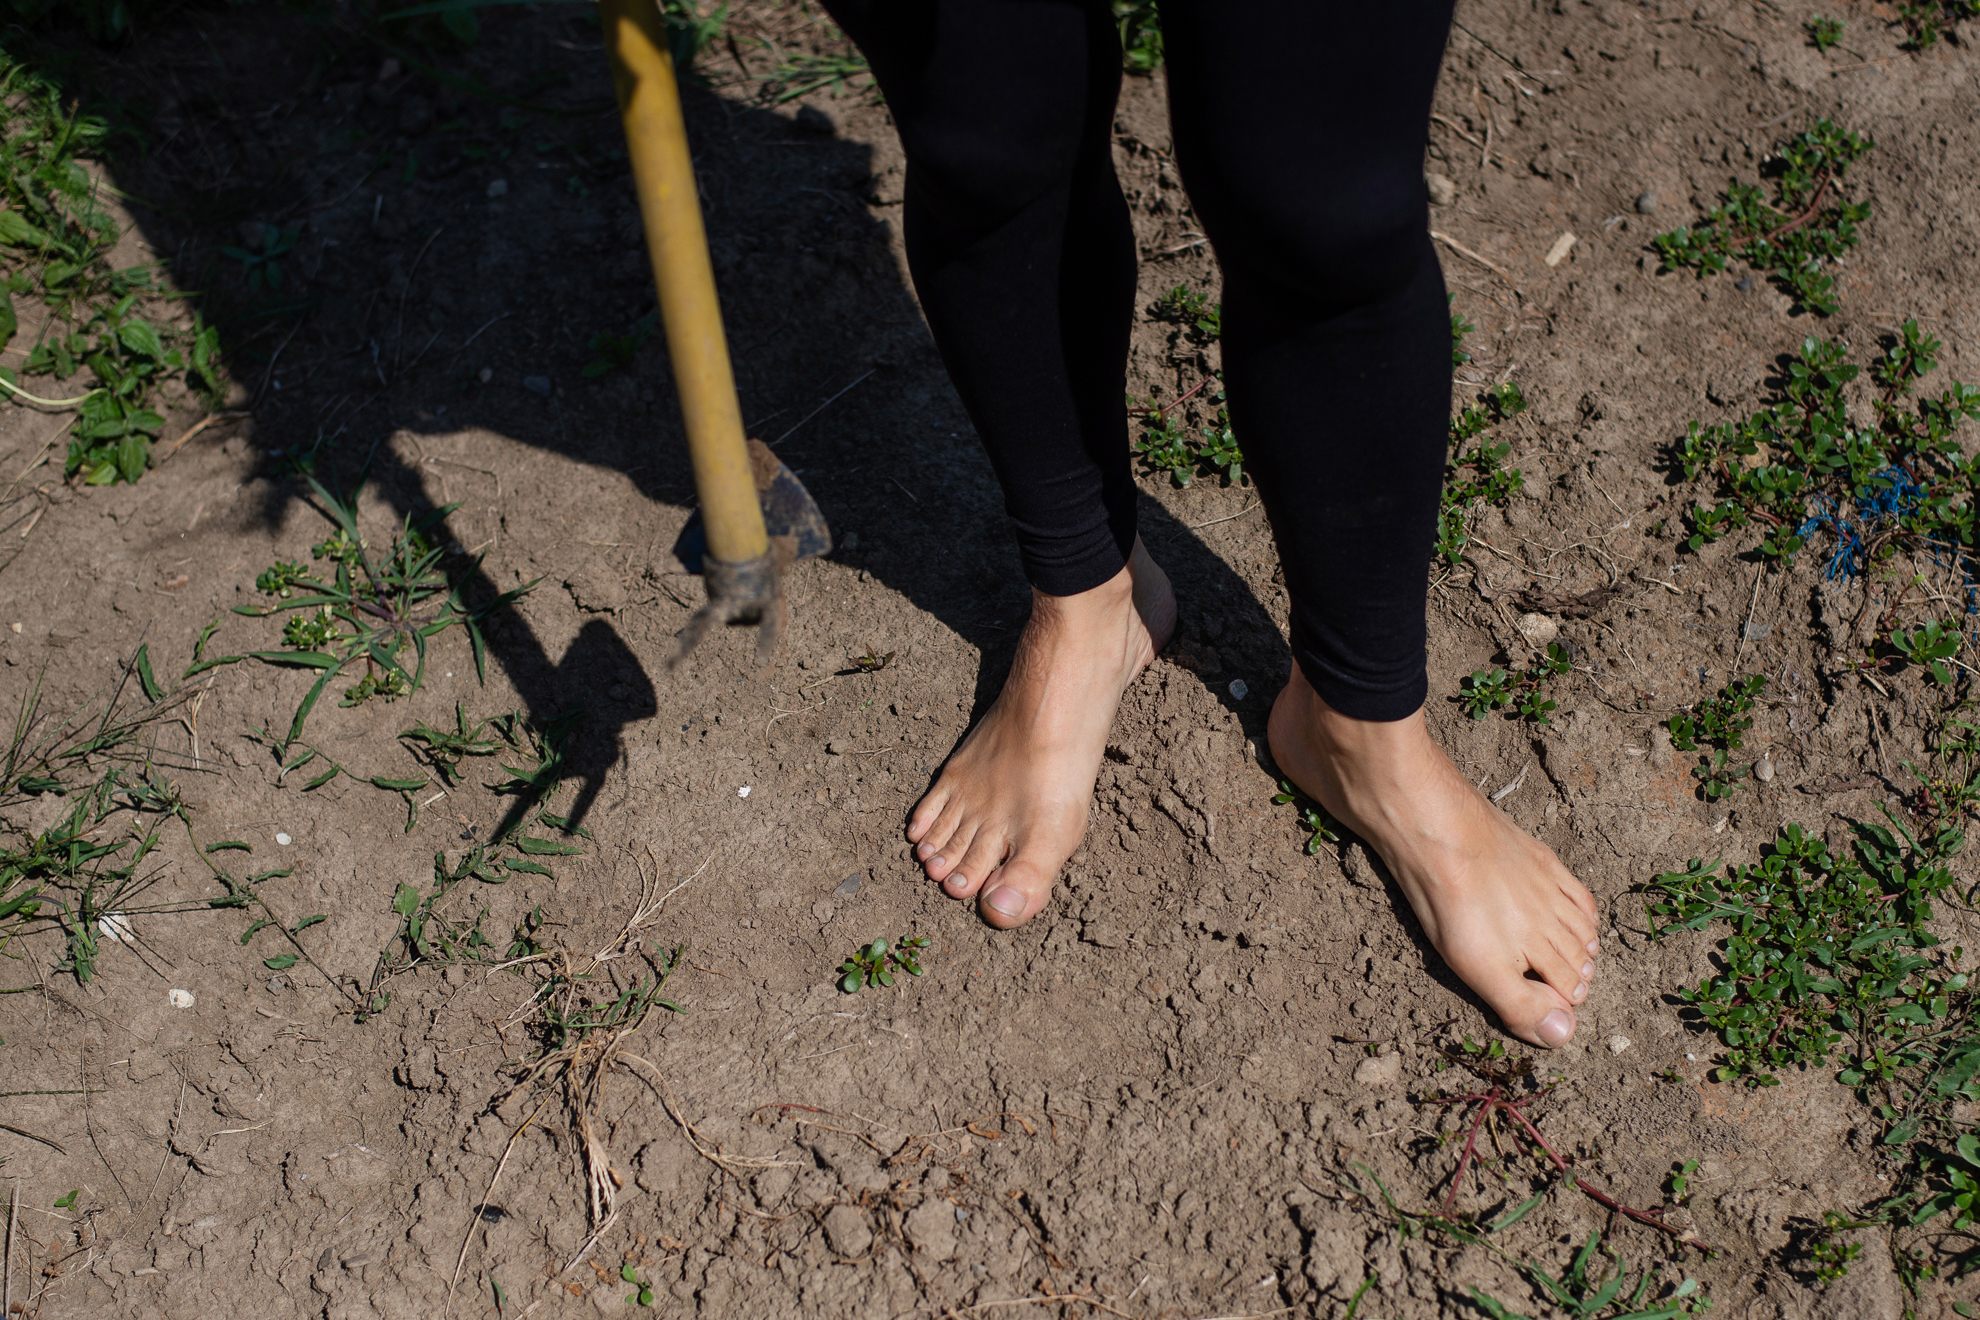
(937, 836)
(940, 865)
(1015, 892)
(1559, 971)
(985, 854)
(1534, 1012)
(925, 813)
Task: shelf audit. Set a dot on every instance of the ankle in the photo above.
(1344, 739)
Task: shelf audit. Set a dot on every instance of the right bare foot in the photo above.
(1496, 902)
(1011, 804)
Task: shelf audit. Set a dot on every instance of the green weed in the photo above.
(1320, 828)
(1477, 474)
(1717, 726)
(1460, 328)
(1829, 959)
(1201, 320)
(1522, 696)
(370, 610)
(1141, 35)
(1925, 21)
(1824, 33)
(874, 964)
(91, 319)
(1791, 238)
(1930, 646)
(1807, 464)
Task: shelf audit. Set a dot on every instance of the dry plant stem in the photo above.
(7, 1259)
(474, 1218)
(1495, 1101)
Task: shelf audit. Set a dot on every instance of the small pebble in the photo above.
(1763, 770)
(743, 792)
(499, 188)
(485, 375)
(1443, 191)
(283, 839)
(1240, 689)
(178, 998)
(115, 926)
(1744, 284)
(850, 885)
(537, 385)
(1646, 202)
(1538, 629)
(1617, 1044)
(836, 747)
(1378, 1070)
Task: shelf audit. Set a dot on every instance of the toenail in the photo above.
(1007, 901)
(957, 881)
(935, 861)
(1587, 970)
(1580, 991)
(1593, 948)
(1556, 1027)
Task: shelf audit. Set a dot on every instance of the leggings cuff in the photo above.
(1068, 567)
(1360, 700)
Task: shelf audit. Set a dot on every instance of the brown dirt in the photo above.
(1157, 1097)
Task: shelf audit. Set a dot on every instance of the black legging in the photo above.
(1299, 128)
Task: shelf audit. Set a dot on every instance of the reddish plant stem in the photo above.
(1495, 1100)
(1814, 205)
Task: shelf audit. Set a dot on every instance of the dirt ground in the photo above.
(1174, 1093)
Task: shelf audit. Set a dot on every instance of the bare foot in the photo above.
(1496, 903)
(1010, 806)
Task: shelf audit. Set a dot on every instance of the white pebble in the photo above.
(178, 998)
(1538, 629)
(115, 926)
(1617, 1044)
(1240, 689)
(743, 791)
(1763, 770)
(283, 839)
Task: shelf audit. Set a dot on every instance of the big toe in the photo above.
(1532, 1010)
(1015, 892)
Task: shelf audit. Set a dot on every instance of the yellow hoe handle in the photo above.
(663, 176)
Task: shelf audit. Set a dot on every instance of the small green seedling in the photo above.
(1930, 646)
(1202, 320)
(1477, 473)
(642, 1294)
(1824, 32)
(874, 964)
(1321, 829)
(1459, 329)
(1677, 1183)
(1141, 35)
(1718, 727)
(1522, 696)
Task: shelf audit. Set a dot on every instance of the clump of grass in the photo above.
(1523, 696)
(1793, 237)
(1478, 474)
(372, 613)
(875, 964)
(1717, 726)
(1808, 465)
(1824, 32)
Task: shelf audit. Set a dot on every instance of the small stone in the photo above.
(850, 885)
(485, 375)
(1763, 769)
(846, 1231)
(1443, 191)
(1538, 629)
(743, 792)
(1239, 689)
(836, 747)
(282, 838)
(1378, 1070)
(537, 385)
(278, 983)
(931, 1229)
(178, 998)
(1744, 284)
(1617, 1044)
(1646, 202)
(499, 188)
